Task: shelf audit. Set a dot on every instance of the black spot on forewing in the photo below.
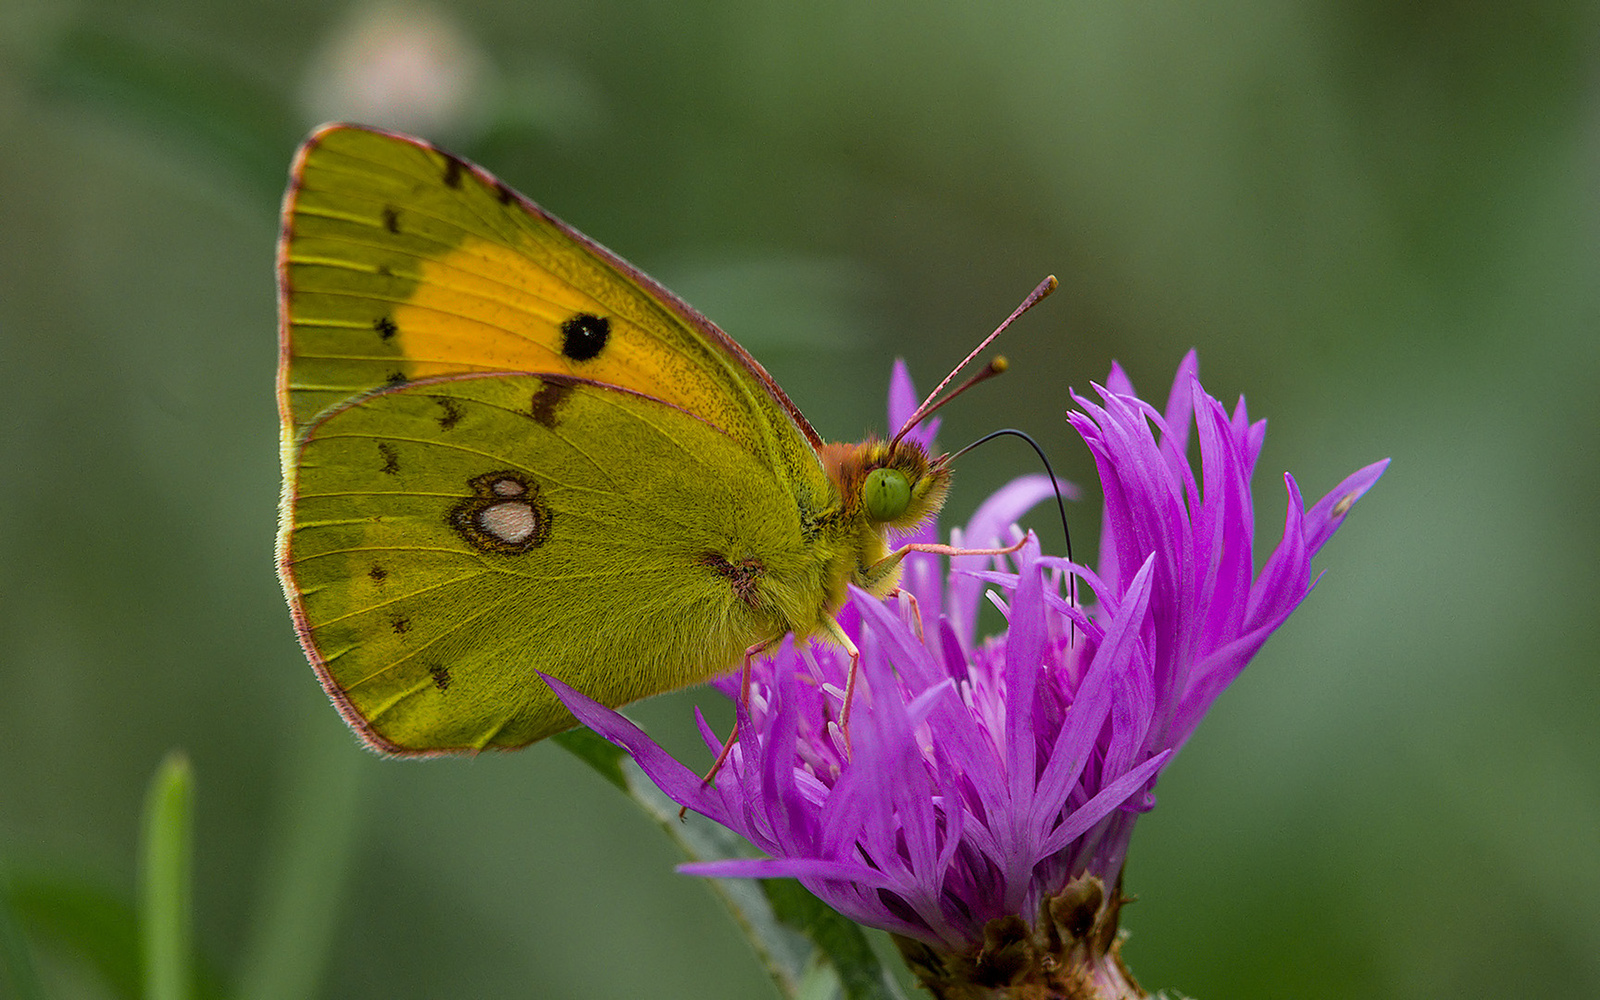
(395, 380)
(547, 401)
(400, 624)
(377, 574)
(441, 676)
(391, 458)
(453, 169)
(584, 336)
(385, 327)
(504, 193)
(506, 514)
(391, 219)
(452, 412)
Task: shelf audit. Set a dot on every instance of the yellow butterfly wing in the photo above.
(399, 261)
(455, 537)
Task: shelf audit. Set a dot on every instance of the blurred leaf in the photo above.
(165, 896)
(811, 952)
(861, 975)
(93, 922)
(600, 754)
(14, 951)
(309, 872)
(206, 109)
(785, 952)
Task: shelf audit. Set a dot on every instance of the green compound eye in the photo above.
(888, 494)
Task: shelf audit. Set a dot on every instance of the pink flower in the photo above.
(991, 786)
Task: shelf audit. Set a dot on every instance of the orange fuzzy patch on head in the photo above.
(849, 465)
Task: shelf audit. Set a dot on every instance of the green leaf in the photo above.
(596, 751)
(861, 975)
(165, 889)
(785, 952)
(91, 921)
(14, 950)
(94, 923)
(307, 872)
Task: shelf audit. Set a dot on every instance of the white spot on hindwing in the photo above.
(506, 514)
(512, 522)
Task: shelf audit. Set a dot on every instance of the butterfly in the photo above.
(507, 452)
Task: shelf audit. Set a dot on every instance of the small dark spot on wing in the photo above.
(743, 575)
(452, 412)
(400, 624)
(391, 219)
(385, 327)
(546, 403)
(441, 676)
(391, 458)
(378, 574)
(452, 170)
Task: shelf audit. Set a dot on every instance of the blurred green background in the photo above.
(1377, 221)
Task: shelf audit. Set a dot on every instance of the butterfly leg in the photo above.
(838, 635)
(916, 609)
(744, 700)
(733, 734)
(874, 576)
(950, 550)
(876, 573)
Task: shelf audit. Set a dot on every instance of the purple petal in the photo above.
(785, 868)
(1118, 382)
(1077, 738)
(1287, 575)
(990, 528)
(1180, 403)
(902, 395)
(680, 784)
(1324, 519)
(1109, 798)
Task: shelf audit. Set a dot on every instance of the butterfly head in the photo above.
(888, 487)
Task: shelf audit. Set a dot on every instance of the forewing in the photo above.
(399, 262)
